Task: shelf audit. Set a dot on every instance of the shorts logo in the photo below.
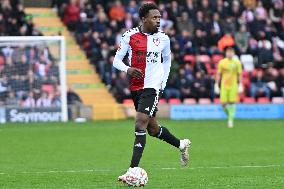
(138, 145)
(147, 109)
(156, 41)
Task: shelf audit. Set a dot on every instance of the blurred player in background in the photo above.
(150, 61)
(230, 74)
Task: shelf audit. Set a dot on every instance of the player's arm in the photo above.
(166, 54)
(120, 54)
(240, 80)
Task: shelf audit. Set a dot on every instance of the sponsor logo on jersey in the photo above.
(156, 41)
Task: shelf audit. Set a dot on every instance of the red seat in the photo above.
(162, 101)
(249, 100)
(127, 101)
(48, 88)
(263, 100)
(204, 58)
(174, 101)
(204, 101)
(189, 101)
(217, 101)
(2, 60)
(216, 58)
(189, 58)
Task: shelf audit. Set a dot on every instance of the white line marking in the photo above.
(227, 167)
(164, 168)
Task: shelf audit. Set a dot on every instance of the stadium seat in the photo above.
(2, 60)
(249, 100)
(217, 101)
(204, 101)
(204, 58)
(47, 88)
(189, 58)
(162, 101)
(216, 58)
(277, 100)
(174, 101)
(189, 101)
(247, 61)
(263, 100)
(128, 101)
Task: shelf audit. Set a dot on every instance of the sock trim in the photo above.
(140, 133)
(160, 133)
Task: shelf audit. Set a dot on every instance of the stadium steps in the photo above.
(80, 74)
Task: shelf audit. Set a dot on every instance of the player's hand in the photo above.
(134, 72)
(216, 88)
(240, 88)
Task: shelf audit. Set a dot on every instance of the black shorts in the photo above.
(146, 101)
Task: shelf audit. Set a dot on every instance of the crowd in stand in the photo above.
(199, 32)
(14, 21)
(29, 75)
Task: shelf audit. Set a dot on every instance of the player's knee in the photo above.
(153, 131)
(141, 123)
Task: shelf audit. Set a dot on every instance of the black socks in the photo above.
(139, 144)
(165, 135)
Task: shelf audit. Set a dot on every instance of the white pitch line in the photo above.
(164, 168)
(227, 167)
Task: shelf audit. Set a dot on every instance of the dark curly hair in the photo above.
(145, 8)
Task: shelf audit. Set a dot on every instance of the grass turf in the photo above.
(93, 154)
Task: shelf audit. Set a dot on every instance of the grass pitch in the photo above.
(93, 154)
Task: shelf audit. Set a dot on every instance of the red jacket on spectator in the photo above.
(71, 13)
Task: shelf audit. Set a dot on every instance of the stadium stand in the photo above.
(199, 31)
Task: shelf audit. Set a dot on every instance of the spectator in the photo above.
(23, 66)
(241, 38)
(184, 23)
(133, 9)
(29, 101)
(44, 100)
(226, 41)
(117, 11)
(172, 88)
(72, 97)
(121, 87)
(71, 15)
(280, 81)
(202, 86)
(259, 86)
(11, 100)
(185, 85)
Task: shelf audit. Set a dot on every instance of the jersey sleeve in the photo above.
(121, 52)
(167, 49)
(166, 54)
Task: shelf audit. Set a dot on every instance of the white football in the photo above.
(137, 177)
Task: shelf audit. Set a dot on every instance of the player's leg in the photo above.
(233, 99)
(145, 107)
(224, 100)
(141, 123)
(161, 132)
